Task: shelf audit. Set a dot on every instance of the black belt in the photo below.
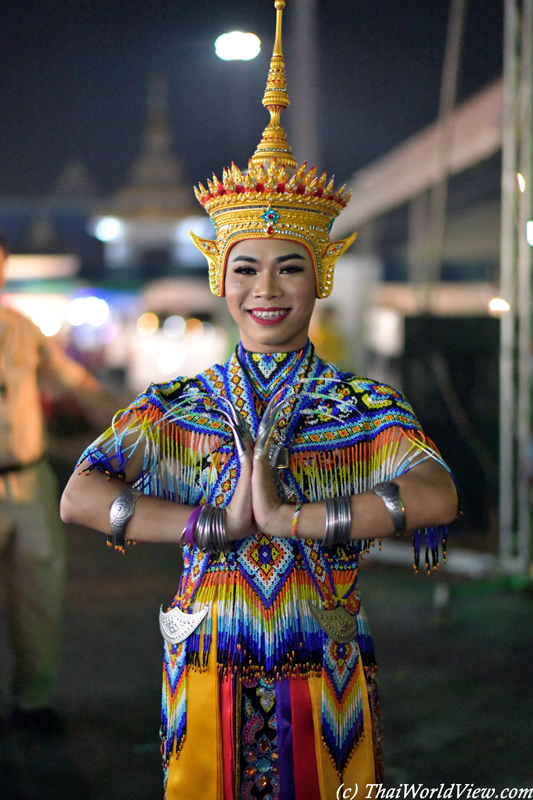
(20, 467)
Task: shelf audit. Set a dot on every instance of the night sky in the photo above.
(73, 80)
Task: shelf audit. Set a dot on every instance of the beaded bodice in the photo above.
(268, 372)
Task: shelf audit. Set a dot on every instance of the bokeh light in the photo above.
(169, 360)
(48, 318)
(107, 228)
(194, 330)
(87, 310)
(147, 324)
(174, 327)
(498, 306)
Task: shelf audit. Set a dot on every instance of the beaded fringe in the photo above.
(281, 638)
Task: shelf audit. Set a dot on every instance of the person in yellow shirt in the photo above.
(32, 537)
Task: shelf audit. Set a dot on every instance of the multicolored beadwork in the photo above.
(342, 435)
(268, 372)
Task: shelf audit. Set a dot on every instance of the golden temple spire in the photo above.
(274, 144)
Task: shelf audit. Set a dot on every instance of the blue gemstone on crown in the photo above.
(270, 217)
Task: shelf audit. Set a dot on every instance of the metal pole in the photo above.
(303, 82)
(416, 249)
(417, 230)
(439, 191)
(508, 287)
(524, 296)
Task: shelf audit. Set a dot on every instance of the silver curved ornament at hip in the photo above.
(176, 626)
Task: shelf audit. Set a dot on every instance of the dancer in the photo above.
(274, 471)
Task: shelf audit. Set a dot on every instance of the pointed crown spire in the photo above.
(274, 144)
(273, 198)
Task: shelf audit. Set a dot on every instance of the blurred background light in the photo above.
(37, 267)
(169, 360)
(76, 311)
(184, 249)
(384, 331)
(107, 228)
(47, 312)
(147, 324)
(96, 311)
(529, 232)
(87, 310)
(194, 330)
(521, 181)
(109, 333)
(237, 46)
(201, 226)
(48, 318)
(498, 306)
(174, 327)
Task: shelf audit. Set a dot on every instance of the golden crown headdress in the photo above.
(274, 198)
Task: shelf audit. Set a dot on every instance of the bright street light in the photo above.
(237, 46)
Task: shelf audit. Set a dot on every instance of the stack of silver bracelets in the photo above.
(338, 521)
(210, 532)
(339, 513)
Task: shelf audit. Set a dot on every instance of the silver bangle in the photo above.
(120, 513)
(389, 491)
(210, 533)
(338, 521)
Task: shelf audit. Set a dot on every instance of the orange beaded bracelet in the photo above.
(297, 510)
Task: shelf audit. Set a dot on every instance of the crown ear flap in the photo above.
(330, 254)
(209, 248)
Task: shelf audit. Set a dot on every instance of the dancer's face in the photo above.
(270, 290)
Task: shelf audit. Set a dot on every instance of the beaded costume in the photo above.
(268, 685)
(341, 435)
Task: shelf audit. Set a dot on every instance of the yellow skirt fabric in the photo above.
(198, 769)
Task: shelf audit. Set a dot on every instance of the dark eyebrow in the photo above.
(279, 260)
(245, 258)
(290, 257)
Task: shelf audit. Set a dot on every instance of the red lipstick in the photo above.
(268, 320)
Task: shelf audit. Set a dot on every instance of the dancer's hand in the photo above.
(271, 515)
(266, 502)
(239, 513)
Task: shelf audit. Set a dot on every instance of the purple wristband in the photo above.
(187, 537)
